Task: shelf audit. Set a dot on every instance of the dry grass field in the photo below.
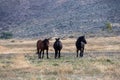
(101, 60)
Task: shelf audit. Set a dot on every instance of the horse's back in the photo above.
(39, 44)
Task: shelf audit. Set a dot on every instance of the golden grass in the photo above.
(19, 62)
(29, 46)
(65, 68)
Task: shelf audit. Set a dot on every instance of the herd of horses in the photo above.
(43, 45)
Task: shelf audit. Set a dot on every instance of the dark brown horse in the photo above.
(41, 46)
(80, 44)
(57, 47)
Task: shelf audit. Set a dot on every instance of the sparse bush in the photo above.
(13, 41)
(71, 36)
(108, 26)
(6, 35)
(55, 64)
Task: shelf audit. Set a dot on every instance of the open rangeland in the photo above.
(101, 61)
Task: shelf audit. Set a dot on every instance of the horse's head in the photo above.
(82, 38)
(57, 39)
(46, 42)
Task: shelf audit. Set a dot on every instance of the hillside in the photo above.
(35, 18)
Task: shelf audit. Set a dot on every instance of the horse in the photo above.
(80, 44)
(41, 46)
(57, 47)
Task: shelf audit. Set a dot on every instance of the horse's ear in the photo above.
(55, 38)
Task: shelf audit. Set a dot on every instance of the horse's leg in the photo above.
(55, 54)
(47, 54)
(37, 50)
(77, 53)
(59, 54)
(81, 52)
(43, 54)
(39, 54)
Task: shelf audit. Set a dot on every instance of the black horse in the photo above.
(57, 47)
(41, 46)
(80, 44)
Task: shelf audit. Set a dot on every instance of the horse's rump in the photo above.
(39, 44)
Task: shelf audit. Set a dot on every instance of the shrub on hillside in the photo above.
(6, 35)
(108, 26)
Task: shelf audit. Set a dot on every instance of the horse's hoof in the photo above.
(39, 58)
(81, 56)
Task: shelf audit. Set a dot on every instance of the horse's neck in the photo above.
(82, 43)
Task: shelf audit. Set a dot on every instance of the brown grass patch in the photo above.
(92, 66)
(94, 44)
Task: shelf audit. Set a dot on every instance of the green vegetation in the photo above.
(6, 35)
(66, 68)
(68, 65)
(108, 26)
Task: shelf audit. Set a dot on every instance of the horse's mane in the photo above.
(45, 41)
(80, 38)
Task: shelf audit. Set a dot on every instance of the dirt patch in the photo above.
(3, 49)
